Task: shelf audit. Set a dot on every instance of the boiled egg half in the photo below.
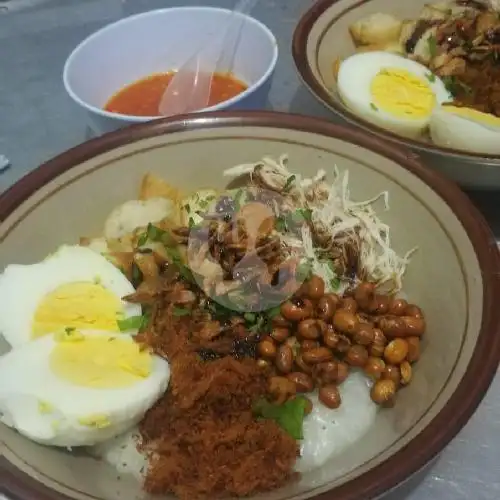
(465, 128)
(390, 91)
(78, 387)
(74, 287)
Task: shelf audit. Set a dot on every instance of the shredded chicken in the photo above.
(347, 228)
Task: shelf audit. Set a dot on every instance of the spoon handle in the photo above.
(189, 88)
(241, 8)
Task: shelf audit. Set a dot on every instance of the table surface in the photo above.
(39, 121)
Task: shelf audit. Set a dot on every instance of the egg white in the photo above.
(353, 83)
(26, 382)
(327, 433)
(453, 131)
(22, 287)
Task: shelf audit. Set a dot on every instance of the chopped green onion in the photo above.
(180, 311)
(432, 44)
(280, 224)
(237, 199)
(272, 313)
(335, 283)
(288, 183)
(303, 271)
(259, 326)
(136, 275)
(143, 239)
(155, 233)
(302, 214)
(250, 317)
(454, 85)
(131, 323)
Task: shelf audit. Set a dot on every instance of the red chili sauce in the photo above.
(142, 97)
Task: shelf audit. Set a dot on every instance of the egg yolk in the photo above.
(77, 305)
(402, 94)
(97, 421)
(475, 115)
(100, 362)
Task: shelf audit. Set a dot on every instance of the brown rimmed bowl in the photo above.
(454, 276)
(322, 36)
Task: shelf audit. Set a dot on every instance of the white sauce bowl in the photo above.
(159, 41)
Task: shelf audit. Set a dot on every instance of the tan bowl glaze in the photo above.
(322, 36)
(455, 277)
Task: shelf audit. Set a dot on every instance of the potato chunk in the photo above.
(377, 29)
(393, 47)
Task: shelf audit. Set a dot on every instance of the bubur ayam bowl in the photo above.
(454, 276)
(322, 36)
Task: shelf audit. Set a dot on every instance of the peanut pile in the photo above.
(319, 337)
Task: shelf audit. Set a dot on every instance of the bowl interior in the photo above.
(161, 41)
(444, 277)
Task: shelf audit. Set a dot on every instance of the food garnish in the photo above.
(289, 415)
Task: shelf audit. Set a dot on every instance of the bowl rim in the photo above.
(151, 13)
(299, 53)
(485, 358)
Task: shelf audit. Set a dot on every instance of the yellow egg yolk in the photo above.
(97, 421)
(77, 305)
(474, 115)
(100, 361)
(402, 94)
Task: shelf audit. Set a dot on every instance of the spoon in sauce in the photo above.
(189, 88)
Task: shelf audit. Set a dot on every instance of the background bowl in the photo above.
(322, 35)
(160, 41)
(455, 277)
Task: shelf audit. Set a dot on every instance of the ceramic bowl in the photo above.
(322, 36)
(162, 40)
(454, 276)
